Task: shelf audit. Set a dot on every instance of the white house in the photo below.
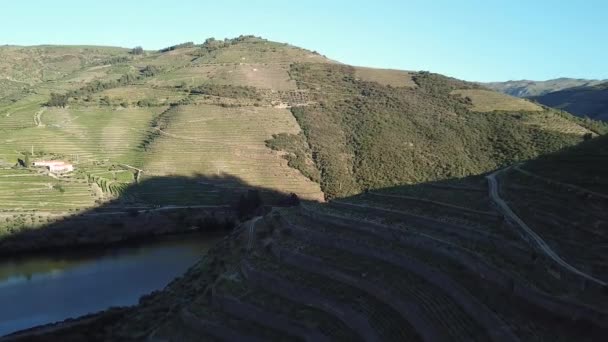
(55, 166)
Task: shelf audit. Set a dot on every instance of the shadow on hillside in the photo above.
(158, 206)
(154, 207)
(170, 205)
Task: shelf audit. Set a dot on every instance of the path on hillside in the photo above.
(38, 117)
(566, 185)
(251, 232)
(408, 229)
(509, 214)
(443, 204)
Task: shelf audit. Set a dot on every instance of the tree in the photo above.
(57, 100)
(105, 101)
(138, 50)
(149, 70)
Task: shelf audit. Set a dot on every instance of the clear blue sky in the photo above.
(483, 40)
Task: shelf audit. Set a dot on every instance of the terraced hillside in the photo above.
(439, 261)
(121, 118)
(573, 184)
(421, 239)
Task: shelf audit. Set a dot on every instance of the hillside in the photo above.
(272, 115)
(527, 88)
(411, 192)
(433, 261)
(584, 101)
(366, 135)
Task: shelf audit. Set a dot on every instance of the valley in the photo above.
(352, 203)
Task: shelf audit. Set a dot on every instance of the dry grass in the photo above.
(395, 78)
(259, 75)
(488, 101)
(212, 140)
(88, 133)
(552, 122)
(132, 94)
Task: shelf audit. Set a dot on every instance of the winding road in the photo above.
(542, 245)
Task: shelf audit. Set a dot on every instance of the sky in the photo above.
(475, 40)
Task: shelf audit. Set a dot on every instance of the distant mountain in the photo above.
(590, 101)
(585, 98)
(527, 88)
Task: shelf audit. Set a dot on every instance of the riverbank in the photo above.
(80, 328)
(87, 232)
(53, 287)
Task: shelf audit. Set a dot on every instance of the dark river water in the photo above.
(47, 288)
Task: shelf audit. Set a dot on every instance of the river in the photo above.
(42, 289)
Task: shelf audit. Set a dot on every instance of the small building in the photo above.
(55, 166)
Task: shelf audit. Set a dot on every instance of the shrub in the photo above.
(59, 188)
(149, 71)
(58, 100)
(118, 60)
(138, 50)
(178, 46)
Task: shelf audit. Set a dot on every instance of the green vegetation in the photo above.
(58, 100)
(227, 91)
(299, 155)
(177, 46)
(138, 50)
(112, 107)
(364, 135)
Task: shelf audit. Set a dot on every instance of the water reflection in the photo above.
(43, 289)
